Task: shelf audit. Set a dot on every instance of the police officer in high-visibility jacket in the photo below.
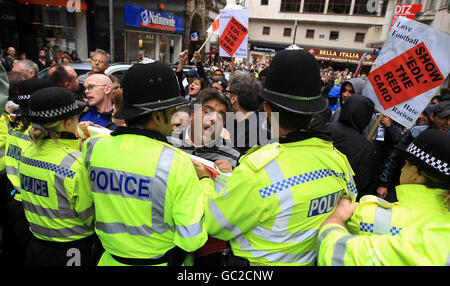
(421, 216)
(276, 199)
(54, 185)
(148, 199)
(421, 199)
(426, 245)
(17, 233)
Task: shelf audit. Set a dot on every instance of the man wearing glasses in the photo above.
(99, 92)
(100, 61)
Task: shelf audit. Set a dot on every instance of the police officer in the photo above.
(53, 181)
(426, 245)
(17, 231)
(148, 200)
(421, 194)
(276, 199)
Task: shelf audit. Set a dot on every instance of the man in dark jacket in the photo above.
(348, 138)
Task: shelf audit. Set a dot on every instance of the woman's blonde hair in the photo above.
(38, 131)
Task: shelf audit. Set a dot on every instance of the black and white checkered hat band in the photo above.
(54, 112)
(437, 164)
(24, 97)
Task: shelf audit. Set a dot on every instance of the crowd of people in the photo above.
(284, 163)
(46, 57)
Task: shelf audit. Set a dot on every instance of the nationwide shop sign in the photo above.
(405, 10)
(233, 32)
(412, 65)
(194, 37)
(145, 18)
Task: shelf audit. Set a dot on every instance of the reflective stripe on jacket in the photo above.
(417, 205)
(55, 191)
(276, 199)
(415, 246)
(16, 144)
(3, 138)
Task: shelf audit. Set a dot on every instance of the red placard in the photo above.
(406, 76)
(232, 36)
(405, 10)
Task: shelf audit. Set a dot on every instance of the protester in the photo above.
(347, 89)
(220, 84)
(196, 78)
(209, 144)
(99, 95)
(204, 136)
(347, 135)
(182, 118)
(244, 94)
(117, 103)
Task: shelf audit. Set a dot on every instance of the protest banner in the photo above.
(412, 65)
(405, 10)
(233, 29)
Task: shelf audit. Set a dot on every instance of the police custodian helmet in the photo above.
(293, 82)
(147, 88)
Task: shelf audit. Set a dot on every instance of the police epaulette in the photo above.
(261, 156)
(371, 199)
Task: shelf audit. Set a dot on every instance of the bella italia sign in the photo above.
(145, 18)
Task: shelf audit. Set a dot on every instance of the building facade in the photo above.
(338, 32)
(27, 24)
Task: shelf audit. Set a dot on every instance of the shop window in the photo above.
(310, 34)
(334, 35)
(287, 32)
(266, 30)
(359, 37)
(432, 5)
(264, 2)
(339, 6)
(314, 6)
(290, 6)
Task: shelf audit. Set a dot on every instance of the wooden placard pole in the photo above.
(374, 127)
(232, 66)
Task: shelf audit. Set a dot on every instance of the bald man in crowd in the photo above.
(99, 91)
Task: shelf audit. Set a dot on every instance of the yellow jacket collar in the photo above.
(412, 193)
